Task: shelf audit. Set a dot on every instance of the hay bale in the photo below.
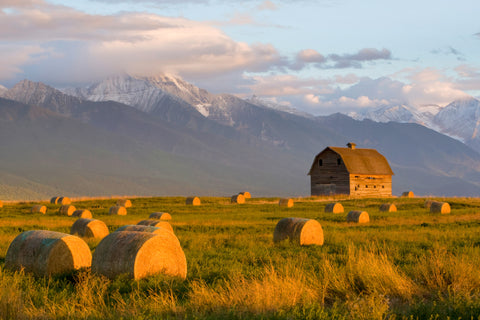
(54, 200)
(39, 209)
(246, 194)
(1, 204)
(439, 207)
(160, 216)
(46, 253)
(193, 201)
(335, 207)
(64, 201)
(139, 254)
(118, 210)
(408, 194)
(82, 213)
(89, 228)
(427, 204)
(238, 198)
(141, 228)
(67, 210)
(388, 207)
(124, 203)
(301, 231)
(156, 223)
(286, 202)
(358, 216)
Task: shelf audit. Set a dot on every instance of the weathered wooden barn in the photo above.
(351, 171)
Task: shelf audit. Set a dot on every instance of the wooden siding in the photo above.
(370, 185)
(331, 177)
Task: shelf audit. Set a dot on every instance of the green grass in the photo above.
(408, 264)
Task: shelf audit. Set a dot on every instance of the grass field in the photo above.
(409, 264)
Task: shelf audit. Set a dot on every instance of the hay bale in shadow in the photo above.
(118, 210)
(39, 209)
(358, 216)
(388, 207)
(66, 210)
(246, 194)
(139, 254)
(298, 230)
(124, 203)
(408, 194)
(238, 198)
(439, 207)
(64, 201)
(286, 202)
(46, 253)
(193, 201)
(335, 207)
(82, 213)
(89, 228)
(160, 216)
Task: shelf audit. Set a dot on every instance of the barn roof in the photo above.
(360, 161)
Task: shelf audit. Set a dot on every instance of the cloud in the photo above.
(355, 60)
(267, 5)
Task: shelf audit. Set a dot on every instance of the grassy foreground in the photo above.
(409, 264)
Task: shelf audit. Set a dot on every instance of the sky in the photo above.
(320, 56)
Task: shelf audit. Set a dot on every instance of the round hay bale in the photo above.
(82, 213)
(139, 254)
(439, 207)
(246, 194)
(301, 231)
(66, 210)
(388, 207)
(141, 228)
(160, 216)
(54, 200)
(286, 202)
(1, 203)
(358, 216)
(64, 201)
(124, 203)
(156, 223)
(39, 209)
(89, 228)
(45, 253)
(335, 207)
(193, 201)
(238, 198)
(427, 204)
(408, 194)
(118, 210)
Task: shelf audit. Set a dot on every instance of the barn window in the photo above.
(366, 186)
(339, 161)
(383, 187)
(320, 162)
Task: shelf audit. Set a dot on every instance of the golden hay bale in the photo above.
(358, 216)
(118, 210)
(141, 228)
(67, 210)
(160, 216)
(427, 204)
(139, 254)
(301, 231)
(39, 209)
(157, 223)
(54, 200)
(335, 207)
(82, 213)
(1, 203)
(246, 194)
(238, 198)
(89, 228)
(194, 201)
(439, 207)
(388, 207)
(285, 202)
(124, 203)
(45, 253)
(64, 201)
(408, 194)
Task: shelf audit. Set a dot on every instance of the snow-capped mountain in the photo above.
(460, 119)
(2, 89)
(399, 113)
(267, 103)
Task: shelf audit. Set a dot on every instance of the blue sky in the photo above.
(318, 56)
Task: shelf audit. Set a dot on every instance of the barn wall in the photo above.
(331, 177)
(370, 185)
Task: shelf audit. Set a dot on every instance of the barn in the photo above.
(351, 171)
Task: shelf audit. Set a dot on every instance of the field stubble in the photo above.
(409, 264)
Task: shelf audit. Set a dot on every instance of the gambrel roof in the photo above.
(359, 161)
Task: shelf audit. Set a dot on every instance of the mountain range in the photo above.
(129, 135)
